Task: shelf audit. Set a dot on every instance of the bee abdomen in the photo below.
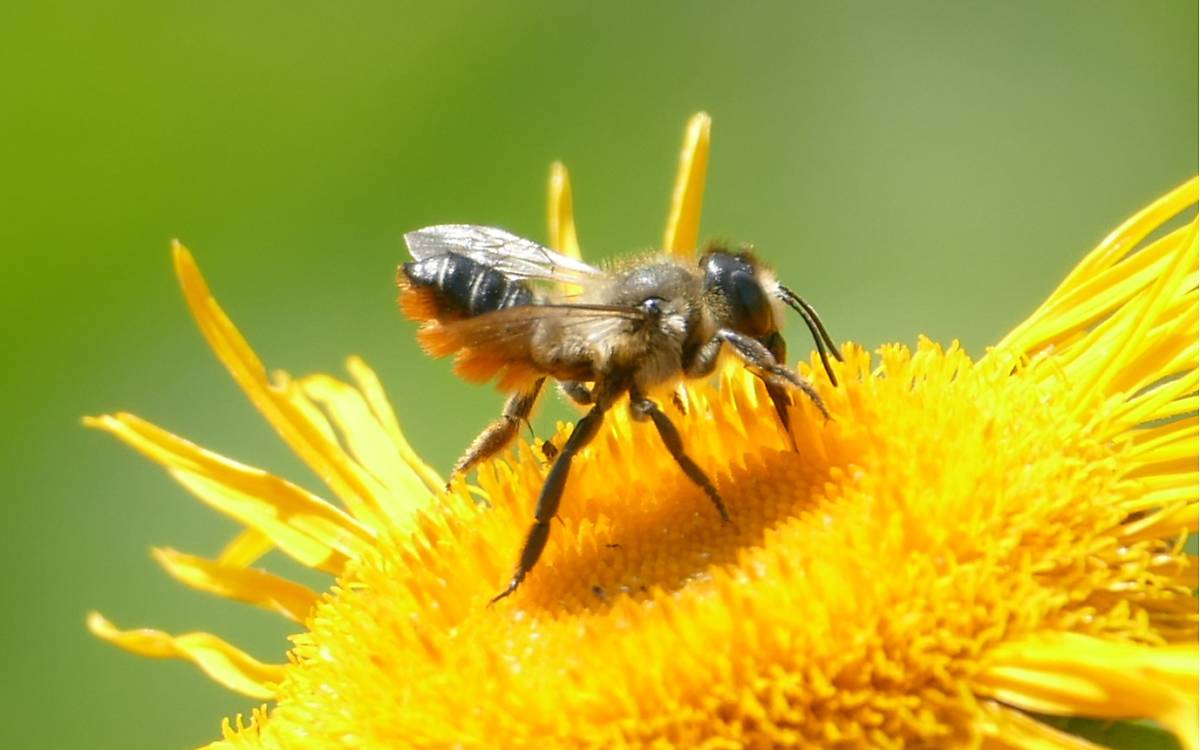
(462, 287)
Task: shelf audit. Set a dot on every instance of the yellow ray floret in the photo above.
(257, 587)
(683, 221)
(300, 524)
(1069, 673)
(964, 545)
(229, 666)
(289, 411)
(245, 548)
(1007, 729)
(561, 215)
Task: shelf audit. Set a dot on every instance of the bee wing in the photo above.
(500, 344)
(518, 324)
(509, 254)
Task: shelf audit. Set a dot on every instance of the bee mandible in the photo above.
(518, 313)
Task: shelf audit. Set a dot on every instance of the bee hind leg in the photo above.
(643, 408)
(496, 436)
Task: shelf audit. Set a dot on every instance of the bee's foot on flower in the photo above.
(512, 586)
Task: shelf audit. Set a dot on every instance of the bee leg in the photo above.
(783, 403)
(703, 360)
(547, 504)
(500, 433)
(641, 408)
(759, 359)
(576, 391)
(780, 397)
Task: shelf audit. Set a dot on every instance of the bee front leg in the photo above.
(547, 504)
(760, 360)
(500, 433)
(703, 360)
(780, 398)
(642, 408)
(782, 402)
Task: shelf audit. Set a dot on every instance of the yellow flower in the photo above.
(965, 548)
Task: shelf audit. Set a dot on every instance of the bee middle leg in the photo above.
(552, 491)
(500, 433)
(576, 391)
(643, 408)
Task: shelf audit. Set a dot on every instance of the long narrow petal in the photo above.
(372, 390)
(368, 503)
(561, 215)
(245, 548)
(401, 490)
(560, 219)
(256, 587)
(1006, 729)
(226, 664)
(1068, 674)
(308, 440)
(1124, 347)
(1094, 297)
(1132, 231)
(1045, 325)
(302, 525)
(683, 223)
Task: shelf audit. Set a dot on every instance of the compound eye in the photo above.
(654, 305)
(753, 309)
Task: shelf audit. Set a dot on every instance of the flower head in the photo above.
(965, 546)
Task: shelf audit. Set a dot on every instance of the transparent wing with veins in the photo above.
(509, 333)
(515, 257)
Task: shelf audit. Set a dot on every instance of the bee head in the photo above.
(734, 286)
(746, 297)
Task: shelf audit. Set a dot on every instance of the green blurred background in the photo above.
(933, 168)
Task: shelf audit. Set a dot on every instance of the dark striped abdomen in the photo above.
(463, 287)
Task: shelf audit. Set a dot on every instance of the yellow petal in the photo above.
(1164, 442)
(1112, 252)
(1074, 308)
(302, 525)
(399, 490)
(368, 505)
(307, 438)
(245, 548)
(256, 587)
(372, 390)
(1006, 729)
(683, 223)
(1171, 398)
(561, 219)
(310, 540)
(561, 215)
(1161, 520)
(1069, 674)
(1124, 347)
(226, 664)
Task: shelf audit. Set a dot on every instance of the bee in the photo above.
(518, 313)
